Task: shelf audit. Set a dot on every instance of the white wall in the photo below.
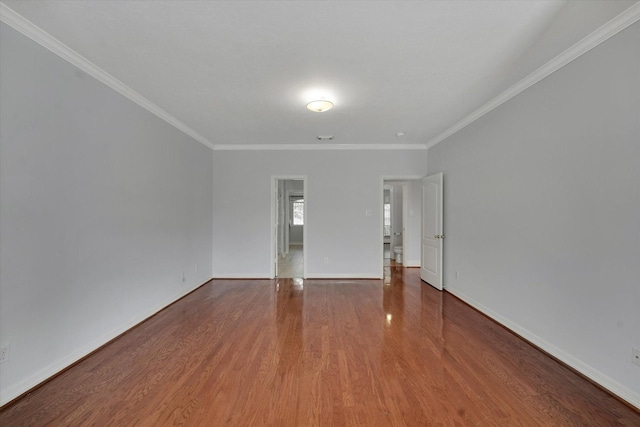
(542, 209)
(103, 205)
(341, 187)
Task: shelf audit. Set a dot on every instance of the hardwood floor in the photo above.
(293, 352)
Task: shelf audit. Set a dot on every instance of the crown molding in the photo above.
(46, 40)
(30, 30)
(306, 147)
(611, 28)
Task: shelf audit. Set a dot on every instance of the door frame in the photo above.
(399, 179)
(274, 221)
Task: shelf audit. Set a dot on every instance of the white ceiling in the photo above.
(241, 72)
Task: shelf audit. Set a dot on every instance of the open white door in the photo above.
(276, 238)
(431, 253)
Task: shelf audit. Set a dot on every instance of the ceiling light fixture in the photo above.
(319, 105)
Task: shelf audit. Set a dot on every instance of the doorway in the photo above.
(401, 211)
(393, 222)
(289, 227)
(386, 224)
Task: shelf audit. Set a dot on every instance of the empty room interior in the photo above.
(320, 213)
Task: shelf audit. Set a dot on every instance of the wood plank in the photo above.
(288, 352)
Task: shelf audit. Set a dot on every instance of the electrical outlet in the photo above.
(4, 353)
(635, 356)
(326, 260)
(457, 274)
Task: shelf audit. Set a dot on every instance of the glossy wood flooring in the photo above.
(319, 353)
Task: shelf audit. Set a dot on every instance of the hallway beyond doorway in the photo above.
(291, 265)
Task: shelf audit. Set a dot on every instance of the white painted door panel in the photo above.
(432, 236)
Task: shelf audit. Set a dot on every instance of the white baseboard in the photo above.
(15, 390)
(241, 276)
(411, 263)
(342, 276)
(588, 371)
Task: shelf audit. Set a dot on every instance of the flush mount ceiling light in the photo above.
(320, 105)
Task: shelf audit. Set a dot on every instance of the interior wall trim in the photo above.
(411, 263)
(299, 147)
(35, 379)
(339, 276)
(588, 371)
(608, 30)
(223, 276)
(35, 33)
(46, 40)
